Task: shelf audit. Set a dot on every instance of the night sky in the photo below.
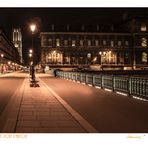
(44, 17)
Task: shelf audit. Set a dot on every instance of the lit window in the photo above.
(16, 45)
(143, 42)
(143, 27)
(144, 57)
(81, 42)
(89, 55)
(66, 42)
(50, 41)
(126, 43)
(44, 41)
(89, 42)
(112, 43)
(57, 42)
(119, 43)
(104, 42)
(96, 42)
(73, 43)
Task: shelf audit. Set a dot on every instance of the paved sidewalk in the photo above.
(39, 110)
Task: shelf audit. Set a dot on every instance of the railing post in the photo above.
(113, 83)
(93, 80)
(86, 79)
(129, 86)
(146, 88)
(102, 81)
(80, 77)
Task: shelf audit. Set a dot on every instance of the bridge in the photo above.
(73, 102)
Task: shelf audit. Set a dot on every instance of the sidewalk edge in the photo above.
(12, 109)
(84, 123)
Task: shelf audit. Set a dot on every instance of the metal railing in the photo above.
(130, 85)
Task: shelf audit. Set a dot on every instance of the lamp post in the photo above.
(30, 62)
(102, 54)
(32, 28)
(2, 55)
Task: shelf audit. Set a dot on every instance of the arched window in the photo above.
(89, 55)
(143, 42)
(57, 42)
(73, 42)
(144, 57)
(143, 27)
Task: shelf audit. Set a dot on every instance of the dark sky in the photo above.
(44, 17)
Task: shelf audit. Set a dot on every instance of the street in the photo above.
(9, 83)
(107, 112)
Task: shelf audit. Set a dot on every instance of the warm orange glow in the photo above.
(30, 51)
(32, 27)
(9, 62)
(100, 52)
(2, 55)
(30, 54)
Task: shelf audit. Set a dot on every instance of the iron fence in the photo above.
(135, 86)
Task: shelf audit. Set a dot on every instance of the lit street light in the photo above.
(102, 54)
(2, 55)
(30, 51)
(9, 62)
(32, 27)
(30, 55)
(32, 71)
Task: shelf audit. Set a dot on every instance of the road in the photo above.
(8, 85)
(108, 112)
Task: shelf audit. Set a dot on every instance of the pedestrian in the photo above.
(33, 73)
(55, 73)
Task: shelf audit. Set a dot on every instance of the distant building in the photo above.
(17, 41)
(116, 46)
(9, 56)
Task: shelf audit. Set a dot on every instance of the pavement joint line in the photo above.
(84, 123)
(10, 114)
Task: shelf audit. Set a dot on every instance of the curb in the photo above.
(11, 111)
(84, 123)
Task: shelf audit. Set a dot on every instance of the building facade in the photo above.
(9, 56)
(17, 41)
(125, 45)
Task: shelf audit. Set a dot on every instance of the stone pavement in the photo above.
(41, 110)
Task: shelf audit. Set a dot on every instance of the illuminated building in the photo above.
(17, 41)
(121, 46)
(9, 56)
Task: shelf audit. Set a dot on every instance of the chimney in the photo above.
(98, 27)
(67, 27)
(83, 27)
(125, 16)
(52, 27)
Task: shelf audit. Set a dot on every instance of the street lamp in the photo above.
(2, 55)
(30, 51)
(102, 54)
(30, 55)
(9, 62)
(32, 28)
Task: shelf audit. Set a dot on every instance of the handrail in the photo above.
(130, 85)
